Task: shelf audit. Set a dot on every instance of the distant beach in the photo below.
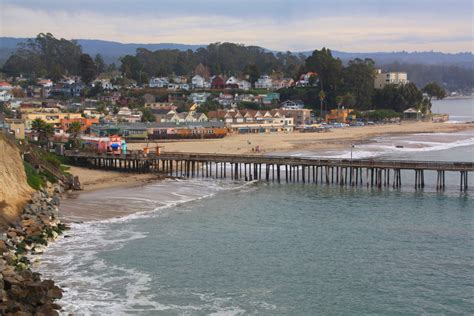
(287, 142)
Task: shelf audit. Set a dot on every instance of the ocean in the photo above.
(209, 247)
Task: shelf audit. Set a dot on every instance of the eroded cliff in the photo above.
(14, 188)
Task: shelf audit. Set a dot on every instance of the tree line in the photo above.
(338, 84)
(48, 57)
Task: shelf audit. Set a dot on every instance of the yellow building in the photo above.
(340, 115)
(50, 118)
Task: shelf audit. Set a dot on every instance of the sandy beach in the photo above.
(281, 142)
(92, 179)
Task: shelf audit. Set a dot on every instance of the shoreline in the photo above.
(281, 143)
(100, 185)
(286, 142)
(93, 179)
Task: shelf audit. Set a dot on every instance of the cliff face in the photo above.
(14, 189)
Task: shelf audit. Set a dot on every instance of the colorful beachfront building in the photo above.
(340, 115)
(143, 131)
(114, 144)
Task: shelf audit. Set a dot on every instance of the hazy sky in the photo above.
(348, 25)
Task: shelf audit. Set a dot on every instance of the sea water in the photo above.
(230, 248)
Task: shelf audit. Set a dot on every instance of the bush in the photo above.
(33, 178)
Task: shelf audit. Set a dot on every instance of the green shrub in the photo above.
(33, 178)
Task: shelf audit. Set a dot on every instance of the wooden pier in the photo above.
(344, 172)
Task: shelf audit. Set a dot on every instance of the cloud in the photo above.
(283, 26)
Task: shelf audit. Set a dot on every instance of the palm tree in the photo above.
(322, 96)
(43, 129)
(74, 130)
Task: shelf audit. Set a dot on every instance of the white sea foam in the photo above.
(95, 287)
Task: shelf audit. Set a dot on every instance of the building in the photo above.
(5, 86)
(307, 79)
(45, 83)
(112, 144)
(300, 116)
(5, 95)
(412, 114)
(199, 97)
(127, 115)
(86, 123)
(253, 121)
(232, 83)
(217, 83)
(50, 118)
(283, 83)
(16, 126)
(191, 130)
(160, 82)
(340, 115)
(270, 97)
(225, 99)
(183, 117)
(168, 130)
(244, 85)
(264, 82)
(292, 105)
(198, 82)
(384, 78)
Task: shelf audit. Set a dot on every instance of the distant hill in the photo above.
(112, 51)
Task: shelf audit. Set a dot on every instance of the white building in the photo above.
(160, 82)
(244, 85)
(232, 81)
(5, 95)
(384, 78)
(199, 98)
(198, 82)
(264, 82)
(292, 105)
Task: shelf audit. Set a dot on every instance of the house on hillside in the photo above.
(158, 82)
(292, 104)
(270, 97)
(5, 96)
(308, 79)
(198, 82)
(232, 83)
(225, 99)
(264, 82)
(217, 83)
(5, 86)
(283, 83)
(244, 85)
(199, 98)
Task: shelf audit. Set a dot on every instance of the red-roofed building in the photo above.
(217, 83)
(5, 86)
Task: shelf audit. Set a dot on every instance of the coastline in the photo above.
(99, 184)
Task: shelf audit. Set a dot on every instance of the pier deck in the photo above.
(356, 172)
